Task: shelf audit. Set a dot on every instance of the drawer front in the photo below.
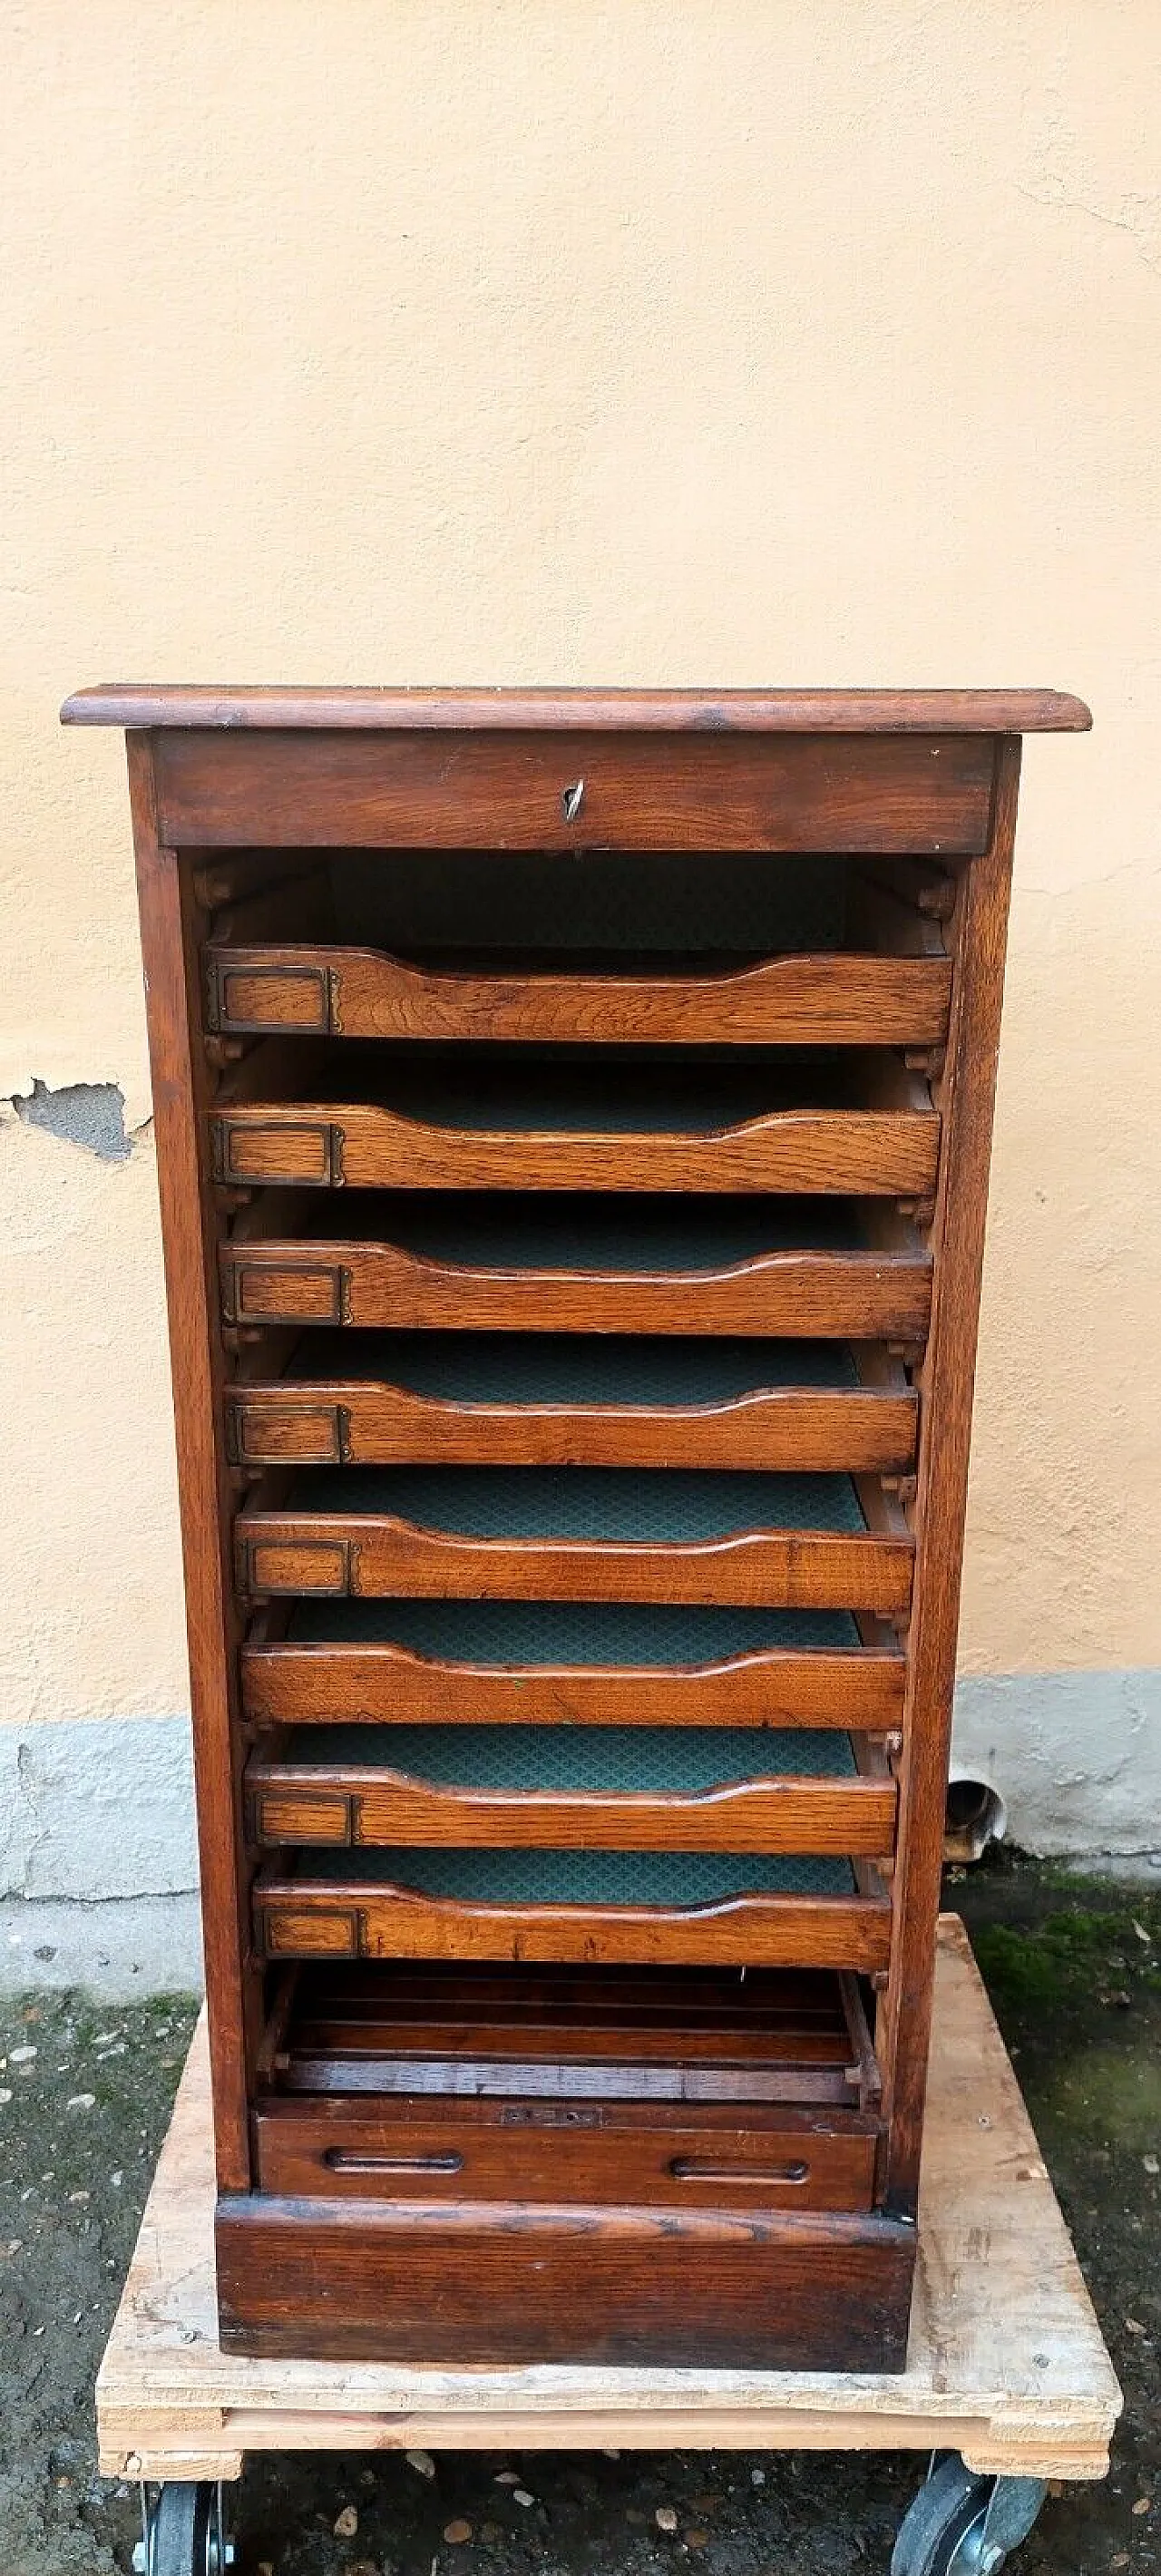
(378, 1426)
(840, 1000)
(299, 1920)
(591, 2152)
(709, 791)
(798, 1295)
(325, 1684)
(848, 1153)
(335, 1806)
(370, 1557)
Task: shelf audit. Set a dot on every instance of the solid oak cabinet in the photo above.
(573, 1115)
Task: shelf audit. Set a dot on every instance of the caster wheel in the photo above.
(184, 2533)
(962, 2524)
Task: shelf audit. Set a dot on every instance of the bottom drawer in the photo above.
(629, 2154)
(424, 2280)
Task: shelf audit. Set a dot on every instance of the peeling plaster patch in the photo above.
(91, 1114)
(1082, 154)
(1136, 212)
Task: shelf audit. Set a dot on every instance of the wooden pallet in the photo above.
(1007, 2364)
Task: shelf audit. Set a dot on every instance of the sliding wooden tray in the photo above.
(560, 2037)
(864, 1126)
(672, 1908)
(553, 1787)
(804, 1268)
(539, 1399)
(522, 1663)
(359, 992)
(601, 1534)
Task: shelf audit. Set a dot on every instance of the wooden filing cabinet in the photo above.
(573, 1116)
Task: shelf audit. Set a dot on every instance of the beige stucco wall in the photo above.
(752, 341)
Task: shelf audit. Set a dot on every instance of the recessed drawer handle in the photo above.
(699, 2169)
(340, 2161)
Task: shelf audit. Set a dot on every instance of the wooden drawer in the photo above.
(468, 1399)
(525, 1663)
(672, 1908)
(541, 1788)
(619, 2154)
(332, 991)
(602, 1534)
(519, 790)
(545, 1125)
(434, 2029)
(804, 1269)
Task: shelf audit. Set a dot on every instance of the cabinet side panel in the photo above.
(186, 1233)
(967, 1096)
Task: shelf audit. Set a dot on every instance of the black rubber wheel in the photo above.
(940, 2533)
(183, 2531)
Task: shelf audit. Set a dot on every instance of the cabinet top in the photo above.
(942, 711)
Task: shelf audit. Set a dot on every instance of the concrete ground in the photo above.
(1075, 1973)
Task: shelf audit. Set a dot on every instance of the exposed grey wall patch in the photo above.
(1076, 1757)
(91, 1114)
(97, 1809)
(130, 1946)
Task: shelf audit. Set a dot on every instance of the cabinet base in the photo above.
(354, 2281)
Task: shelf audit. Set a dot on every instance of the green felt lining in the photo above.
(567, 1632)
(582, 1877)
(533, 1091)
(678, 1760)
(570, 1368)
(660, 1505)
(590, 1231)
(687, 901)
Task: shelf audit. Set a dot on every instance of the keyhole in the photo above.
(573, 799)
